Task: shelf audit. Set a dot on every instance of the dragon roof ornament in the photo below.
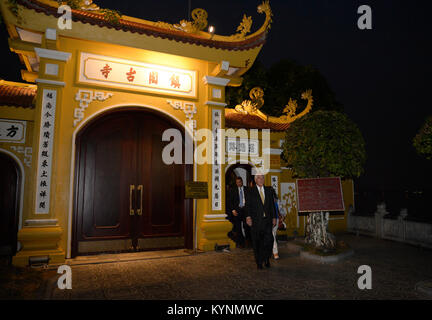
(199, 23)
(289, 113)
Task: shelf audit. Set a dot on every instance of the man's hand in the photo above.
(274, 222)
(249, 221)
(235, 213)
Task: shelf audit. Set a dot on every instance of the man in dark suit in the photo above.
(235, 211)
(261, 217)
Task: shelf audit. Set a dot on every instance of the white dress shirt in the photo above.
(241, 194)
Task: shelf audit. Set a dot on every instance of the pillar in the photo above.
(214, 226)
(41, 232)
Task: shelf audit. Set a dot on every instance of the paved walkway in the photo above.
(396, 269)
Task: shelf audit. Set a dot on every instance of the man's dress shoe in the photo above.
(267, 264)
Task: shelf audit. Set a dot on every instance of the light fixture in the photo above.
(211, 29)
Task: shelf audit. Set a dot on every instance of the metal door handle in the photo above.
(131, 189)
(140, 189)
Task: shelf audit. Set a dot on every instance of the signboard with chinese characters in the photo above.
(46, 139)
(196, 190)
(13, 131)
(319, 194)
(242, 146)
(216, 158)
(108, 71)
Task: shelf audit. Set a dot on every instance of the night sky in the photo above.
(381, 76)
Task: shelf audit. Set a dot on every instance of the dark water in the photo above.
(418, 203)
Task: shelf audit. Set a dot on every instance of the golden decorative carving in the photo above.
(244, 28)
(199, 23)
(291, 108)
(88, 5)
(265, 7)
(165, 25)
(253, 105)
(289, 113)
(199, 17)
(245, 25)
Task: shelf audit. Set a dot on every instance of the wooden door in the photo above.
(105, 171)
(121, 150)
(9, 197)
(163, 185)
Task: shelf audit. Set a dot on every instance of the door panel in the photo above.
(9, 183)
(107, 166)
(164, 206)
(163, 182)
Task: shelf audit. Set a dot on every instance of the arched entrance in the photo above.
(238, 170)
(10, 183)
(126, 198)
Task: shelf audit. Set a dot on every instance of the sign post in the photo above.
(196, 190)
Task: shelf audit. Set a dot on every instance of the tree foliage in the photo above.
(284, 80)
(324, 144)
(423, 140)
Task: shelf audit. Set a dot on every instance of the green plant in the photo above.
(422, 142)
(324, 144)
(112, 16)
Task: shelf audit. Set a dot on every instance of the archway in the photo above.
(10, 195)
(126, 198)
(238, 170)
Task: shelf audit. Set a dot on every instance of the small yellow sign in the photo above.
(196, 190)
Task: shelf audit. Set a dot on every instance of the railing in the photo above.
(398, 229)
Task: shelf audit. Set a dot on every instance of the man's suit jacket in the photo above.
(234, 201)
(255, 208)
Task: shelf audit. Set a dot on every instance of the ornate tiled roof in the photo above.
(155, 30)
(17, 96)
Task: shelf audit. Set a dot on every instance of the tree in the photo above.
(423, 140)
(287, 79)
(324, 144)
(284, 80)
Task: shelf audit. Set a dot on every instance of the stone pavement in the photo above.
(396, 269)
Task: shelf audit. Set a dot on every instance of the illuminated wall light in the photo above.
(211, 29)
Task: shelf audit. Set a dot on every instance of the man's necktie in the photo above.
(261, 193)
(241, 197)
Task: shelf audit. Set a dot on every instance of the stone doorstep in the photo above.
(124, 257)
